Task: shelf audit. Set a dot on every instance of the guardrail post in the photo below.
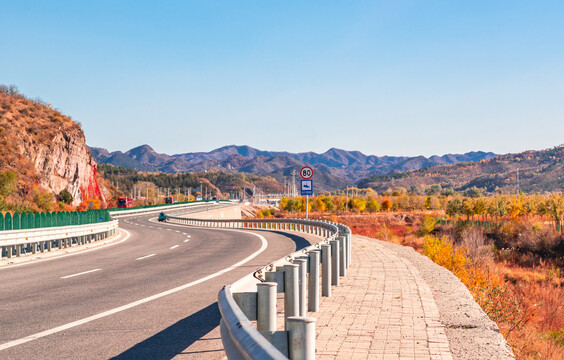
(326, 270)
(33, 248)
(348, 241)
(291, 291)
(302, 285)
(313, 281)
(301, 338)
(335, 267)
(343, 255)
(9, 251)
(18, 250)
(266, 306)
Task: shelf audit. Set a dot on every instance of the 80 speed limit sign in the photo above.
(306, 172)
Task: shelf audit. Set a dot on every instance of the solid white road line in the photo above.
(82, 273)
(135, 303)
(146, 256)
(174, 247)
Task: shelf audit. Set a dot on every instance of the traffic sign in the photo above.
(306, 172)
(306, 187)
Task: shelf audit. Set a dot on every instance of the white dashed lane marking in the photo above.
(174, 247)
(146, 256)
(82, 273)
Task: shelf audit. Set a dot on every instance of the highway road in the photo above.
(152, 295)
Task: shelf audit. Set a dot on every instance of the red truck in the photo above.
(125, 202)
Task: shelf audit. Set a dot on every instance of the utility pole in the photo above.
(518, 181)
(294, 191)
(347, 200)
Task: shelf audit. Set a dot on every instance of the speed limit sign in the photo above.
(306, 172)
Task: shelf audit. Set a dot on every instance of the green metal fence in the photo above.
(41, 220)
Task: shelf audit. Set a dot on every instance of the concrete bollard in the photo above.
(326, 270)
(343, 256)
(349, 242)
(313, 281)
(291, 291)
(302, 284)
(266, 306)
(335, 266)
(301, 338)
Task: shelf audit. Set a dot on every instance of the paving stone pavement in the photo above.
(383, 309)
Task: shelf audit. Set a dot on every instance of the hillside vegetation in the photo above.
(214, 183)
(528, 172)
(43, 156)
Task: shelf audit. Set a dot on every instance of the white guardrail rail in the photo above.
(118, 213)
(19, 242)
(248, 307)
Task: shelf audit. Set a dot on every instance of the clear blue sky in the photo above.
(381, 77)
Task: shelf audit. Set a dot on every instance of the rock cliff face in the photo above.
(65, 164)
(45, 149)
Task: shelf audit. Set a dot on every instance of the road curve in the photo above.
(152, 296)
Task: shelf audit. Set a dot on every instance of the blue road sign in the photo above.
(307, 187)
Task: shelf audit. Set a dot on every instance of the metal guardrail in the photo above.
(254, 296)
(117, 213)
(32, 240)
(18, 242)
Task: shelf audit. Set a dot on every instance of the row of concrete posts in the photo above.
(302, 281)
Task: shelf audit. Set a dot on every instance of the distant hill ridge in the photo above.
(529, 171)
(336, 168)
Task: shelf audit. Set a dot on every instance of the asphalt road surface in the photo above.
(153, 295)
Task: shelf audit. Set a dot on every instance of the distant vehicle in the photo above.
(169, 200)
(162, 216)
(125, 202)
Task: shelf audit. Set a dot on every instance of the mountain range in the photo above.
(334, 168)
(533, 171)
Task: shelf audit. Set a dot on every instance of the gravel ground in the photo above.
(471, 334)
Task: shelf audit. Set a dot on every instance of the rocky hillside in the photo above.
(529, 172)
(46, 151)
(334, 169)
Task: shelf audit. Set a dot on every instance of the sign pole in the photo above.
(306, 185)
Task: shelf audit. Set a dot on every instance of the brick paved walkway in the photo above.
(383, 309)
